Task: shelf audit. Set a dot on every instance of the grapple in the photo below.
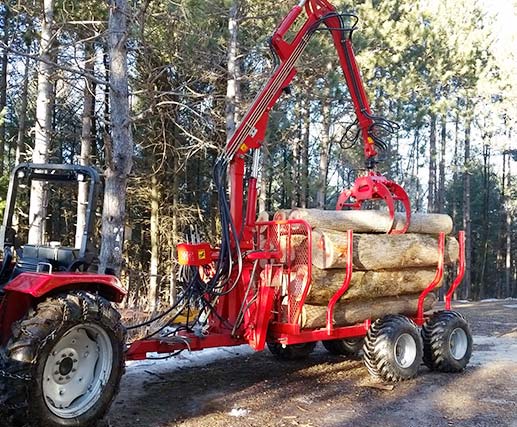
(375, 186)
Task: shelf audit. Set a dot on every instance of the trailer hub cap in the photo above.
(77, 369)
(405, 350)
(458, 343)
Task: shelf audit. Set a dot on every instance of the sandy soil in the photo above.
(239, 388)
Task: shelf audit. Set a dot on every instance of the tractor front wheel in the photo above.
(393, 348)
(66, 360)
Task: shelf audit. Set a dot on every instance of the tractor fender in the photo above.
(22, 292)
(38, 285)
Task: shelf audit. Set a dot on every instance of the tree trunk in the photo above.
(22, 115)
(431, 196)
(367, 284)
(466, 211)
(324, 150)
(233, 83)
(264, 180)
(295, 167)
(455, 164)
(3, 85)
(305, 136)
(372, 221)
(379, 251)
(114, 212)
(173, 291)
(87, 140)
(486, 204)
(440, 196)
(508, 254)
(357, 311)
(154, 231)
(43, 128)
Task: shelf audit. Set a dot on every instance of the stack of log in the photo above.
(390, 271)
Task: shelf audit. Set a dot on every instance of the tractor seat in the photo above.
(32, 256)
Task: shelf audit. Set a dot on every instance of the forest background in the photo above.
(181, 74)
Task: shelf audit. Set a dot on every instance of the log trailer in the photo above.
(63, 344)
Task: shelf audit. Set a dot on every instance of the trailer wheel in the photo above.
(447, 342)
(291, 351)
(66, 360)
(347, 347)
(393, 348)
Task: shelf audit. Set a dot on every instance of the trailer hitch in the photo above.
(375, 186)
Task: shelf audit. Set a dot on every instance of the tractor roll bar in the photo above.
(52, 173)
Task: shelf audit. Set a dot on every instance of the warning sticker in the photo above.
(201, 254)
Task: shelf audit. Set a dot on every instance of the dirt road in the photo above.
(243, 389)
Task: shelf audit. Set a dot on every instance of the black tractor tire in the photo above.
(65, 339)
(345, 347)
(291, 351)
(393, 349)
(447, 342)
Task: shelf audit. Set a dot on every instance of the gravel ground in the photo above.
(238, 388)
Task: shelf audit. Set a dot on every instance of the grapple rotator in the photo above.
(372, 185)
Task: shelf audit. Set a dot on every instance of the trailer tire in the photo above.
(291, 351)
(64, 363)
(393, 348)
(347, 347)
(447, 342)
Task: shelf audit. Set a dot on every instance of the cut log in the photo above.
(293, 249)
(372, 221)
(357, 311)
(367, 284)
(379, 251)
(281, 215)
(263, 216)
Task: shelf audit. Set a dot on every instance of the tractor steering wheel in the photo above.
(5, 270)
(80, 264)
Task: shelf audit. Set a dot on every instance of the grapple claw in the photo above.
(374, 186)
(400, 194)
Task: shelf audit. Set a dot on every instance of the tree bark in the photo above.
(264, 180)
(43, 128)
(372, 221)
(22, 115)
(154, 232)
(114, 212)
(466, 212)
(305, 136)
(324, 150)
(440, 196)
(486, 203)
(431, 196)
(173, 291)
(233, 83)
(87, 139)
(357, 311)
(455, 164)
(508, 254)
(3, 85)
(295, 166)
(379, 251)
(367, 284)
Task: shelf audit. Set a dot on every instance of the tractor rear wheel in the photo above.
(291, 351)
(447, 342)
(346, 347)
(64, 363)
(393, 348)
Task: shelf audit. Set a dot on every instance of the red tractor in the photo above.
(63, 346)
